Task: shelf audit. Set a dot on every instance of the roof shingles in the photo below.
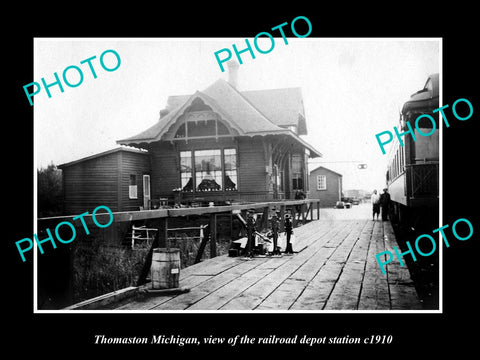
(258, 112)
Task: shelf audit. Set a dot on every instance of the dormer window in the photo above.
(199, 121)
(201, 128)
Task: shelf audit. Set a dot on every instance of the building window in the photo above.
(208, 170)
(230, 160)
(321, 182)
(132, 187)
(297, 172)
(186, 171)
(213, 170)
(201, 129)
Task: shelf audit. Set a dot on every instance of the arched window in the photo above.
(200, 121)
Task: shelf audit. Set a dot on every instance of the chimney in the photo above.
(233, 73)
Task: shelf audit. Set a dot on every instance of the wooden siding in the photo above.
(132, 164)
(104, 180)
(165, 169)
(91, 183)
(327, 197)
(253, 181)
(252, 174)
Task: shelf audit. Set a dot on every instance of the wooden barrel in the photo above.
(165, 270)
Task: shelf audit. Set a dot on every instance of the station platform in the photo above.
(335, 269)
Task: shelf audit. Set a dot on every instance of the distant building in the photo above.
(356, 193)
(352, 193)
(326, 185)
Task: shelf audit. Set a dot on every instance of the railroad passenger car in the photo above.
(413, 170)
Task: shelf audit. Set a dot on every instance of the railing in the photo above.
(300, 210)
(104, 261)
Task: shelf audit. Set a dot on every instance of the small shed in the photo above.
(326, 185)
(117, 178)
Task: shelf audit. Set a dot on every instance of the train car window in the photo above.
(402, 160)
(398, 161)
(394, 167)
(424, 122)
(396, 164)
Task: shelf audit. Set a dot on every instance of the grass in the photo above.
(99, 269)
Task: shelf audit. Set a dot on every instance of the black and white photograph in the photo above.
(193, 182)
(244, 181)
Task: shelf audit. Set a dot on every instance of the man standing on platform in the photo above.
(385, 204)
(375, 199)
(288, 233)
(250, 225)
(275, 224)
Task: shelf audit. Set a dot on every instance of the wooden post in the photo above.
(294, 216)
(160, 241)
(309, 207)
(243, 214)
(201, 249)
(264, 218)
(213, 235)
(304, 207)
(282, 218)
(318, 210)
(163, 233)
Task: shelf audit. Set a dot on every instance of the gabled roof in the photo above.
(248, 114)
(324, 168)
(223, 99)
(283, 107)
(238, 109)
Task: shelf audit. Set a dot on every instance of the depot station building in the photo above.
(219, 145)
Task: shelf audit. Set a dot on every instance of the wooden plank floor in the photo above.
(336, 270)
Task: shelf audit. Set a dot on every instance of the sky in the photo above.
(352, 90)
